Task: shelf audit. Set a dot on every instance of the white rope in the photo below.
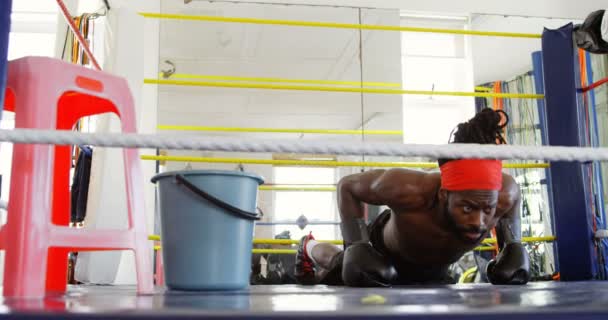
(184, 142)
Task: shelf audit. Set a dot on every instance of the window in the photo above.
(33, 32)
(435, 62)
(314, 205)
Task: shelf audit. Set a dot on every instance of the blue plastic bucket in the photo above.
(207, 219)
(5, 29)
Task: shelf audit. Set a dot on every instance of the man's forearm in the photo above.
(508, 229)
(349, 206)
(352, 216)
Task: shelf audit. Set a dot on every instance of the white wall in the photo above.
(437, 62)
(132, 53)
(285, 52)
(274, 51)
(499, 59)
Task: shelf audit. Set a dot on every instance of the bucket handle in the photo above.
(226, 206)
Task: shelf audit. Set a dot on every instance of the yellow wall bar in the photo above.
(526, 239)
(283, 80)
(292, 251)
(279, 130)
(324, 163)
(339, 242)
(341, 89)
(290, 242)
(335, 25)
(155, 237)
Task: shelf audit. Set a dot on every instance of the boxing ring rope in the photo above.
(340, 242)
(217, 84)
(279, 130)
(133, 140)
(336, 25)
(325, 163)
(594, 85)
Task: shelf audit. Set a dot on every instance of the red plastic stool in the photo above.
(159, 273)
(51, 94)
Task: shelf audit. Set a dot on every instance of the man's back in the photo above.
(419, 232)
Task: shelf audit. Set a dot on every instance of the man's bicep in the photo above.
(360, 186)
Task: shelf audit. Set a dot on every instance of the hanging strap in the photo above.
(219, 203)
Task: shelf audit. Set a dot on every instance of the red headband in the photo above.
(471, 174)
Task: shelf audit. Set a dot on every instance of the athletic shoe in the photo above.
(304, 267)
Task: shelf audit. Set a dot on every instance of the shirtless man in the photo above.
(434, 218)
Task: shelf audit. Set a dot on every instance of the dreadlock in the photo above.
(485, 128)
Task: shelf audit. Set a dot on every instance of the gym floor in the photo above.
(539, 300)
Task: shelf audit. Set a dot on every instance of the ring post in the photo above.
(571, 207)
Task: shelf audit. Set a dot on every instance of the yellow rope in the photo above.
(526, 239)
(335, 25)
(274, 251)
(156, 237)
(484, 249)
(292, 251)
(340, 242)
(279, 130)
(466, 274)
(341, 89)
(283, 80)
(323, 163)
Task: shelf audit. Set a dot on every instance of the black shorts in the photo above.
(409, 273)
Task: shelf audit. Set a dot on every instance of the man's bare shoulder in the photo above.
(509, 194)
(417, 188)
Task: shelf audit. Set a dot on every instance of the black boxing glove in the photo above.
(363, 266)
(588, 36)
(511, 266)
